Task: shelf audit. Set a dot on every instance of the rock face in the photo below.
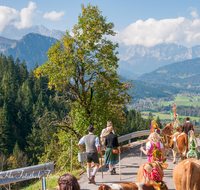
(140, 59)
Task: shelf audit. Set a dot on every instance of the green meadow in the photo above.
(183, 101)
(166, 116)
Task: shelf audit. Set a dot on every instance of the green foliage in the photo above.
(158, 122)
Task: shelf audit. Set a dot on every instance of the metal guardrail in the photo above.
(22, 174)
(133, 135)
(197, 130)
(139, 134)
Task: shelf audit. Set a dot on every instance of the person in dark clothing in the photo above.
(111, 142)
(187, 126)
(92, 148)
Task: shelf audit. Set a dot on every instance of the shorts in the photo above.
(92, 157)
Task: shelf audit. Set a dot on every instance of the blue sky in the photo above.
(144, 22)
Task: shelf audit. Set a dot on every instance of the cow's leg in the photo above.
(180, 157)
(174, 154)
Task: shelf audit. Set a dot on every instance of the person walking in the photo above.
(105, 132)
(111, 142)
(187, 126)
(154, 148)
(192, 146)
(92, 148)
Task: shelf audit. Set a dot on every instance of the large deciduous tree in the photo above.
(83, 66)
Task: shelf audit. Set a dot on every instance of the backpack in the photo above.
(102, 139)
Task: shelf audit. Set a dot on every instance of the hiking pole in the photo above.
(119, 169)
(101, 167)
(141, 156)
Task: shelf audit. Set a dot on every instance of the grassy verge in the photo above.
(51, 180)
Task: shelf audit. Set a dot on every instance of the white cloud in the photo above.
(23, 19)
(27, 16)
(152, 32)
(6, 16)
(194, 13)
(56, 16)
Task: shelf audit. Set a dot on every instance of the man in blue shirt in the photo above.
(92, 148)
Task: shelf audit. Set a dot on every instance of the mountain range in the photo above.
(166, 63)
(12, 32)
(140, 59)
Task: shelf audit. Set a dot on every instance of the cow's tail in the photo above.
(189, 176)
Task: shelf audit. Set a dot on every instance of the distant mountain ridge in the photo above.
(140, 59)
(6, 43)
(32, 48)
(12, 32)
(185, 74)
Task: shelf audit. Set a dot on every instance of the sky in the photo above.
(142, 22)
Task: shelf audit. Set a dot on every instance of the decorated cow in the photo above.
(151, 171)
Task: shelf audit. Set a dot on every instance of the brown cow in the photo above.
(167, 134)
(145, 179)
(186, 175)
(133, 186)
(179, 143)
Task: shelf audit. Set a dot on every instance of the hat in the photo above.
(90, 128)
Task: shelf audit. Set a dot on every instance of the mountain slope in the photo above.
(185, 74)
(32, 48)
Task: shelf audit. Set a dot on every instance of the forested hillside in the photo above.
(24, 99)
(183, 74)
